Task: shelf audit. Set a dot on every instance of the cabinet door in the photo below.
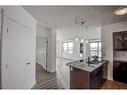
(123, 72)
(19, 61)
(116, 71)
(79, 79)
(120, 41)
(125, 41)
(96, 78)
(120, 71)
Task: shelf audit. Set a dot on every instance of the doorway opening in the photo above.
(42, 51)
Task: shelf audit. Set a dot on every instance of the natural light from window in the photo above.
(95, 49)
(68, 47)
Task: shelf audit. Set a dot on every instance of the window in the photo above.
(65, 47)
(68, 47)
(95, 48)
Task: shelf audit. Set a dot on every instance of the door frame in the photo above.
(47, 50)
(1, 32)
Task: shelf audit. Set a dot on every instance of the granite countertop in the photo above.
(83, 65)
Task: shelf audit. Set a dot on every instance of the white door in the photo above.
(41, 51)
(0, 44)
(18, 55)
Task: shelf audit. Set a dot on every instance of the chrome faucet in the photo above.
(89, 59)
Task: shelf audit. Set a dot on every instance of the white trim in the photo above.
(110, 78)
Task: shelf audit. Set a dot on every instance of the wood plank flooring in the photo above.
(46, 80)
(114, 85)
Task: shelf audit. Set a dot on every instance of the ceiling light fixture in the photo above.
(87, 41)
(121, 11)
(76, 39)
(82, 40)
(82, 25)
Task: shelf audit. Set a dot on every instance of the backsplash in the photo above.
(120, 54)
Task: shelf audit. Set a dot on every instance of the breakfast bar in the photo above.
(85, 75)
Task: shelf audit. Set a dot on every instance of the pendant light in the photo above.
(82, 24)
(87, 41)
(82, 40)
(76, 38)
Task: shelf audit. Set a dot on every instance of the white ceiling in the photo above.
(64, 16)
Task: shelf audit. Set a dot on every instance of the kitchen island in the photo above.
(84, 75)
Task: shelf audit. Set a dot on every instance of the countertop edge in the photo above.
(102, 63)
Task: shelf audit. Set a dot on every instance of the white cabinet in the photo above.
(18, 52)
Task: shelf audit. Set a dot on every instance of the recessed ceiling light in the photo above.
(121, 11)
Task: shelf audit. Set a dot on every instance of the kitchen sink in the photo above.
(94, 62)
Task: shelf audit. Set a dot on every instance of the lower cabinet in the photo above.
(96, 78)
(80, 79)
(120, 71)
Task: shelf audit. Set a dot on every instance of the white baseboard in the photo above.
(33, 84)
(110, 78)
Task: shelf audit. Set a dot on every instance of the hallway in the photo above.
(46, 80)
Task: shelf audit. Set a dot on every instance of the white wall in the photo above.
(22, 27)
(107, 43)
(90, 33)
(52, 51)
(93, 33)
(42, 32)
(65, 35)
(19, 14)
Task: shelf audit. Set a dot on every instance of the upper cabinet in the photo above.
(120, 41)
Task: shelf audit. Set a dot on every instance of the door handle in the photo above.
(28, 63)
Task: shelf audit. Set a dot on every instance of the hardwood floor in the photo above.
(114, 85)
(46, 80)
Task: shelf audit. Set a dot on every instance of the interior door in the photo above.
(41, 54)
(19, 55)
(0, 43)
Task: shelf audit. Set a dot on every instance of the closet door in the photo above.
(19, 55)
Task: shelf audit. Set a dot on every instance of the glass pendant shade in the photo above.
(86, 41)
(76, 39)
(82, 40)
